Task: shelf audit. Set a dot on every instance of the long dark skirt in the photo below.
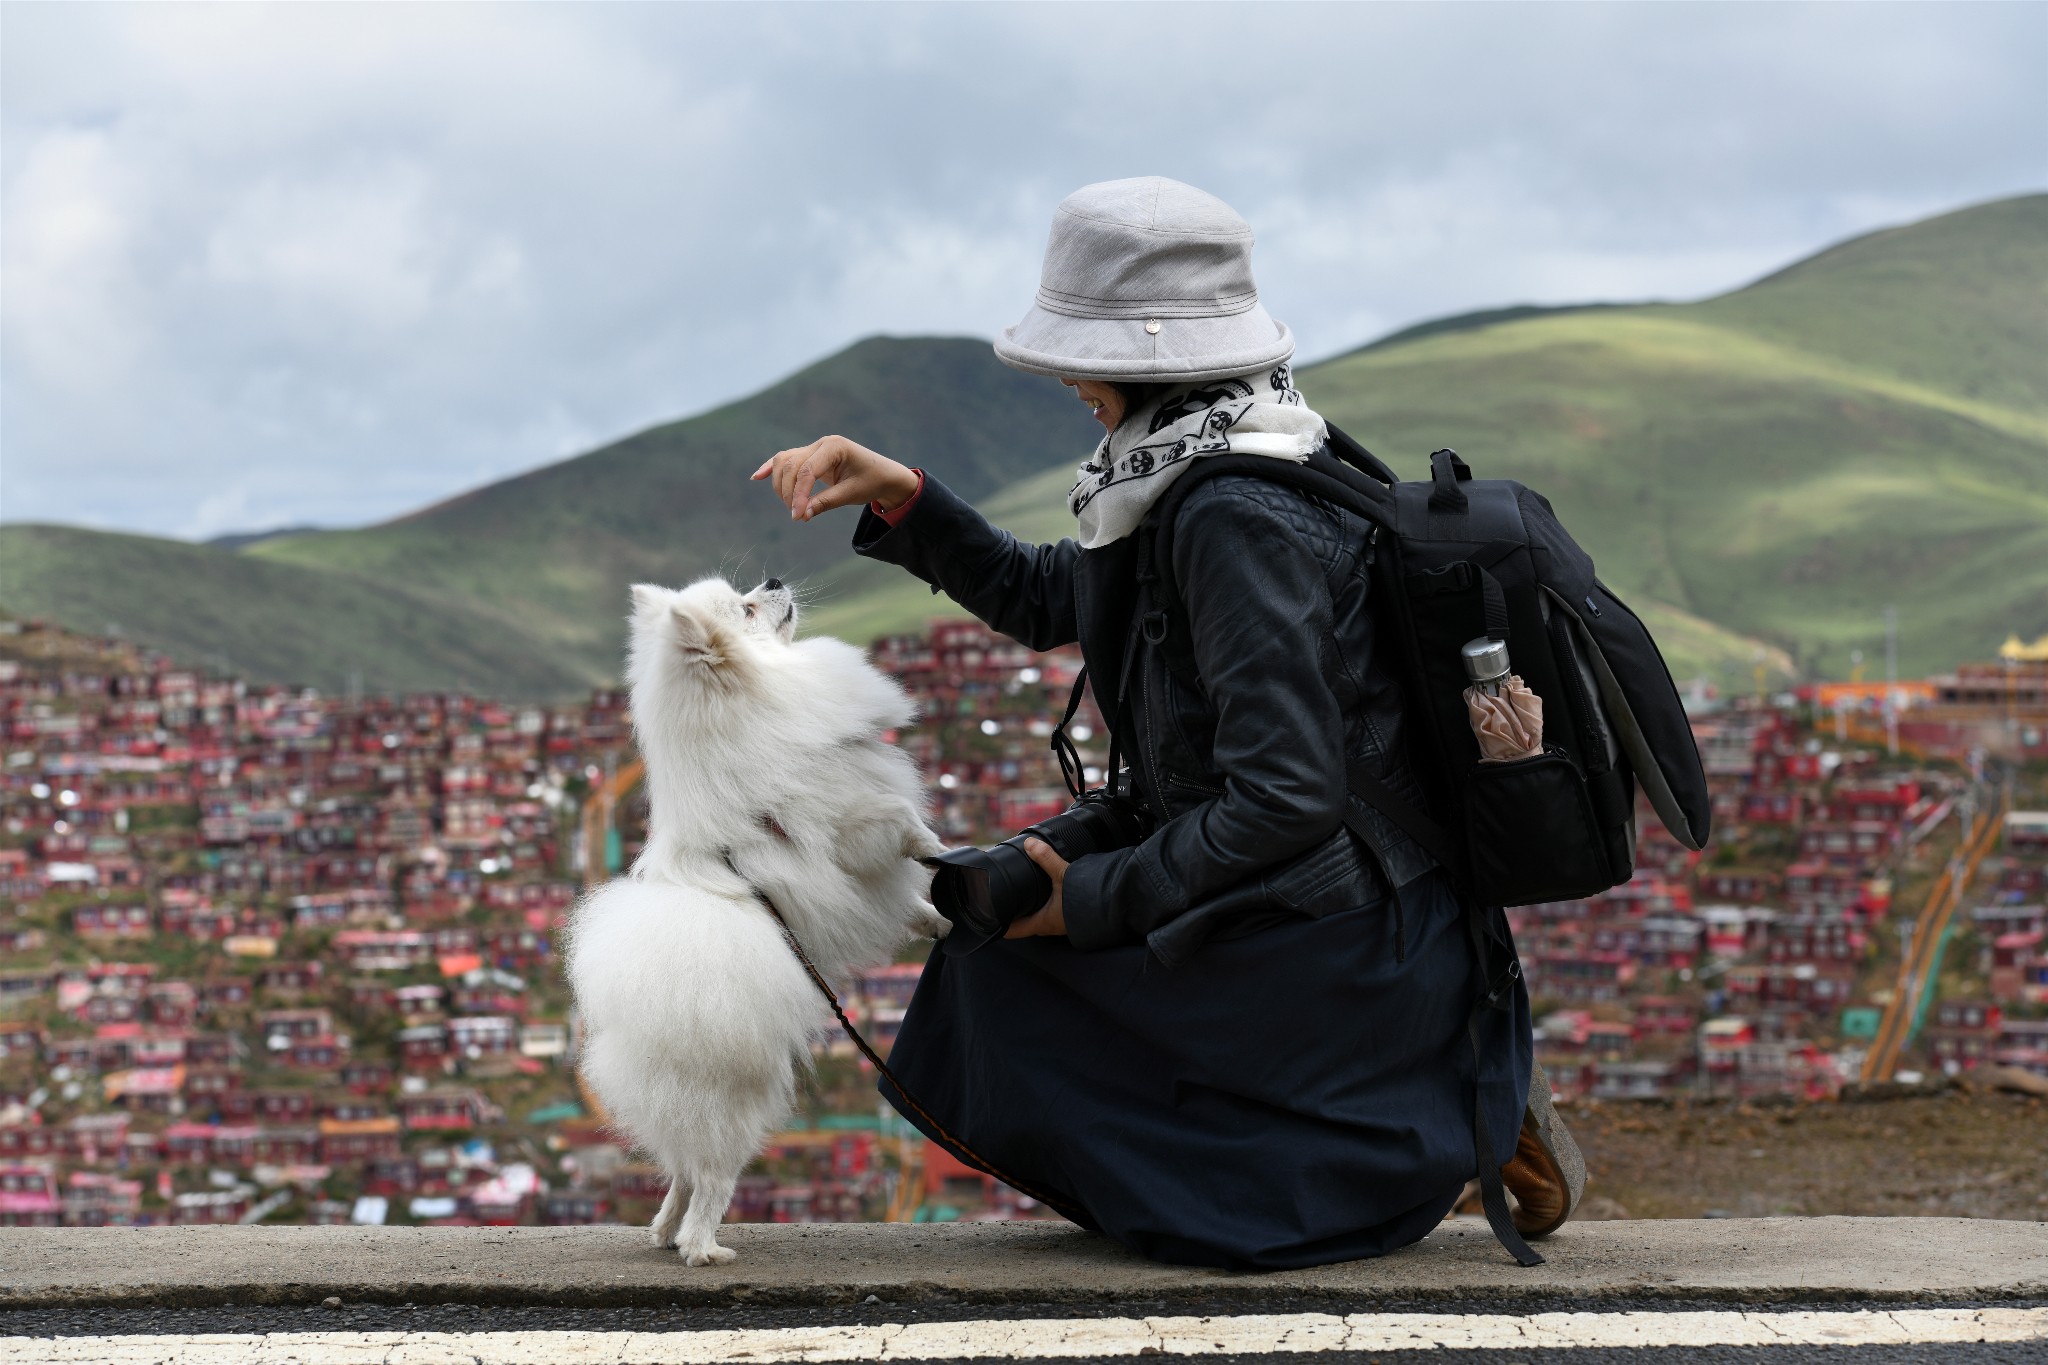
(1291, 1098)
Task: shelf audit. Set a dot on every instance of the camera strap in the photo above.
(1063, 746)
(1123, 690)
(1147, 623)
(931, 1124)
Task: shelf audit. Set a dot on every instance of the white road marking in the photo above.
(1051, 1338)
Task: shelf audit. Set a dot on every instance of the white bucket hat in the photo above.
(1147, 280)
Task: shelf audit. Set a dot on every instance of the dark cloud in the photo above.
(282, 264)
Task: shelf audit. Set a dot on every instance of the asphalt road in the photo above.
(464, 1317)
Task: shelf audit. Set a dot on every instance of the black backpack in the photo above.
(1455, 559)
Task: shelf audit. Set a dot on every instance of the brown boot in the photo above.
(1547, 1175)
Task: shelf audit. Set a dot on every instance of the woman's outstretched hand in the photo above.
(852, 474)
(1050, 918)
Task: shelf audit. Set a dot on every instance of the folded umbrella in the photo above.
(1507, 719)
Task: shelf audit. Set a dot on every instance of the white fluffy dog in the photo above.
(765, 771)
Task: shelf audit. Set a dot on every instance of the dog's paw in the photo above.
(919, 843)
(930, 923)
(663, 1241)
(710, 1255)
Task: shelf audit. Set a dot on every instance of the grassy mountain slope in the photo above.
(1785, 460)
(558, 546)
(1472, 322)
(274, 622)
(1957, 303)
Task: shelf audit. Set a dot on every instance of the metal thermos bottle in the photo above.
(1486, 664)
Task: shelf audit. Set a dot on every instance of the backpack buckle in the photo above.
(1154, 626)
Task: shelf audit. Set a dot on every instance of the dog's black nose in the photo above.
(771, 584)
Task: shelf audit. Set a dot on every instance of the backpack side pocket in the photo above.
(1531, 832)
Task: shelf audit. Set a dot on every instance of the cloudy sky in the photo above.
(307, 263)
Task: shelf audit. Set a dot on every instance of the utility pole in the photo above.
(1850, 698)
(2012, 716)
(1891, 680)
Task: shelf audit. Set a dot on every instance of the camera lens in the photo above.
(982, 890)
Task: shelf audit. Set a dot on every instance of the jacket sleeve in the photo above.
(1024, 591)
(1259, 610)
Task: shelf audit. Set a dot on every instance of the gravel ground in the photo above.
(1967, 1152)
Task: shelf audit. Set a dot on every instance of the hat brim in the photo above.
(1181, 350)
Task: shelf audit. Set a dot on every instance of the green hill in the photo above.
(1763, 471)
(1472, 322)
(270, 622)
(558, 546)
(1867, 427)
(519, 588)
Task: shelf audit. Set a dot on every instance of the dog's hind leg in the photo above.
(670, 1218)
(709, 1195)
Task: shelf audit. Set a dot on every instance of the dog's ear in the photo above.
(646, 596)
(701, 636)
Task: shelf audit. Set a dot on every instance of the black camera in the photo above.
(981, 890)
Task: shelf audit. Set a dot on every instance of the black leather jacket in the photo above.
(1244, 772)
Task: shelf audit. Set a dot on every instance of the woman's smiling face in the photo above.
(1105, 398)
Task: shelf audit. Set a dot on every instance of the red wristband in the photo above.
(895, 517)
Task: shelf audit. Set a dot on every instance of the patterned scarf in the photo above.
(1249, 414)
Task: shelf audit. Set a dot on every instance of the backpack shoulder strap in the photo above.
(1164, 614)
(1359, 458)
(1350, 483)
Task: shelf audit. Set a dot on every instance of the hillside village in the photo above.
(267, 954)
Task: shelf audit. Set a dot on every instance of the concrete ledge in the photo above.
(1803, 1260)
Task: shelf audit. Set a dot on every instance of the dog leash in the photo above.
(953, 1144)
